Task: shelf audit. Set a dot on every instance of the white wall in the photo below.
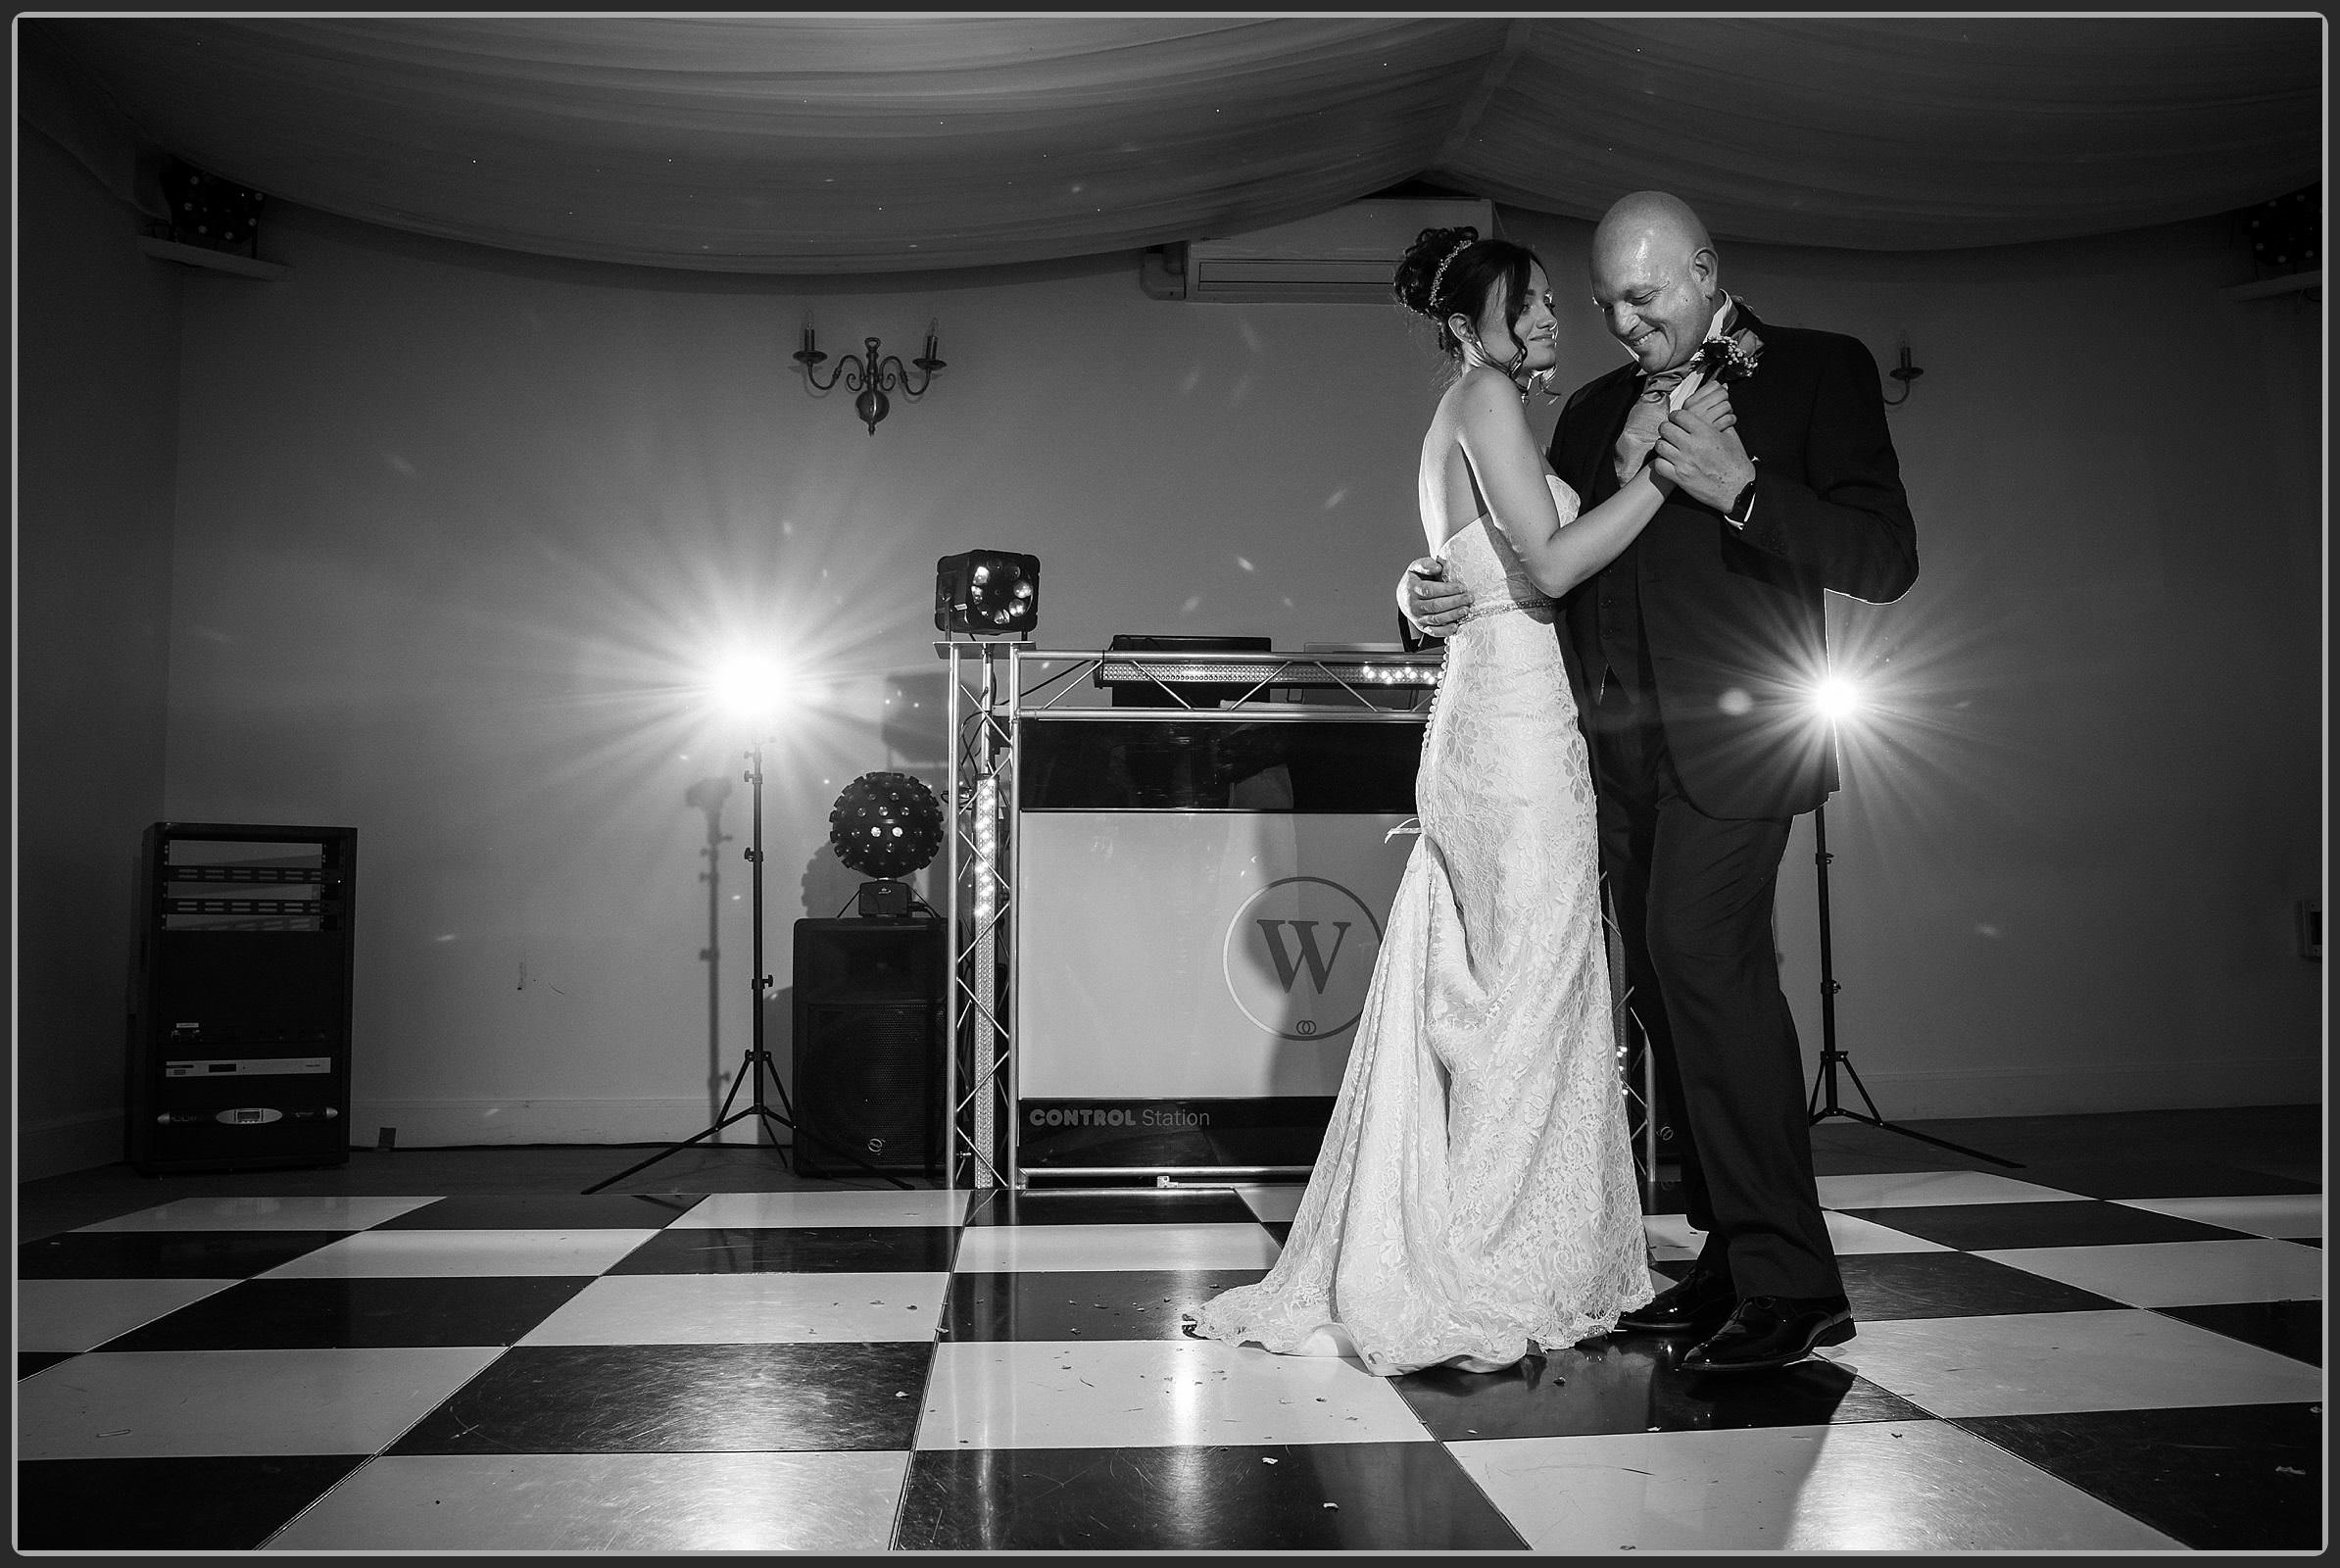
(97, 357)
(455, 543)
(456, 534)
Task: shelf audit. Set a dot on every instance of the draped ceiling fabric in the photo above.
(790, 144)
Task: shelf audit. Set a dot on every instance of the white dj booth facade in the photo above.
(1165, 911)
(1189, 965)
(1176, 904)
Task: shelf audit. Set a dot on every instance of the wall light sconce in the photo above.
(1905, 373)
(868, 375)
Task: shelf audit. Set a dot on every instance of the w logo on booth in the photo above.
(1287, 963)
(1299, 954)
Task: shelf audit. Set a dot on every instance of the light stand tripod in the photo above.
(1832, 1054)
(759, 1060)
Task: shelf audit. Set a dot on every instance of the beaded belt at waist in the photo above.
(1499, 605)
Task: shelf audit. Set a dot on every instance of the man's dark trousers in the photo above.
(1722, 1038)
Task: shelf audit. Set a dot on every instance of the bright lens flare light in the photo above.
(750, 687)
(1836, 698)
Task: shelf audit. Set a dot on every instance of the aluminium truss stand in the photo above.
(1831, 1056)
(759, 1060)
(980, 1067)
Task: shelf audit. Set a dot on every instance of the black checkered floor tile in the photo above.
(2131, 1362)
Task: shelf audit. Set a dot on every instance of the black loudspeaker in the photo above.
(239, 1030)
(867, 1046)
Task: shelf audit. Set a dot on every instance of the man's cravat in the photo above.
(1658, 384)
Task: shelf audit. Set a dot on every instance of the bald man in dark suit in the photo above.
(1695, 659)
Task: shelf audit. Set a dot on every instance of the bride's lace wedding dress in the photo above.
(1473, 1198)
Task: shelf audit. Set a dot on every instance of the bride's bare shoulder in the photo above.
(1483, 394)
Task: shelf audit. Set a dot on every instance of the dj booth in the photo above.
(1170, 866)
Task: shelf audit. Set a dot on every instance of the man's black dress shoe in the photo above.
(1772, 1330)
(1697, 1303)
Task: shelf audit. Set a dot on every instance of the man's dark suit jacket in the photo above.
(1732, 619)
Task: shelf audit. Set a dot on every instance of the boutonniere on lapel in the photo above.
(1728, 359)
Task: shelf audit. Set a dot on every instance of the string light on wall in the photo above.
(869, 374)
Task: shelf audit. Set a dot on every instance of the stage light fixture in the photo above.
(986, 592)
(750, 686)
(207, 210)
(1836, 698)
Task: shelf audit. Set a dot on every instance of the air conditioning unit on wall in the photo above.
(1345, 256)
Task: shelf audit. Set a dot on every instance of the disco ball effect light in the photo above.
(886, 824)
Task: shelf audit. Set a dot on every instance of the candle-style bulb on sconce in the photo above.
(809, 355)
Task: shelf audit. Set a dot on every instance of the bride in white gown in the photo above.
(1473, 1198)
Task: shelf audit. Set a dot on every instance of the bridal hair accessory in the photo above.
(1439, 277)
(1728, 359)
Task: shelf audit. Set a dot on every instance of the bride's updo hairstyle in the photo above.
(1452, 270)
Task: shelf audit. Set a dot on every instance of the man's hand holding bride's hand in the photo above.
(1700, 450)
(1425, 598)
(1641, 426)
